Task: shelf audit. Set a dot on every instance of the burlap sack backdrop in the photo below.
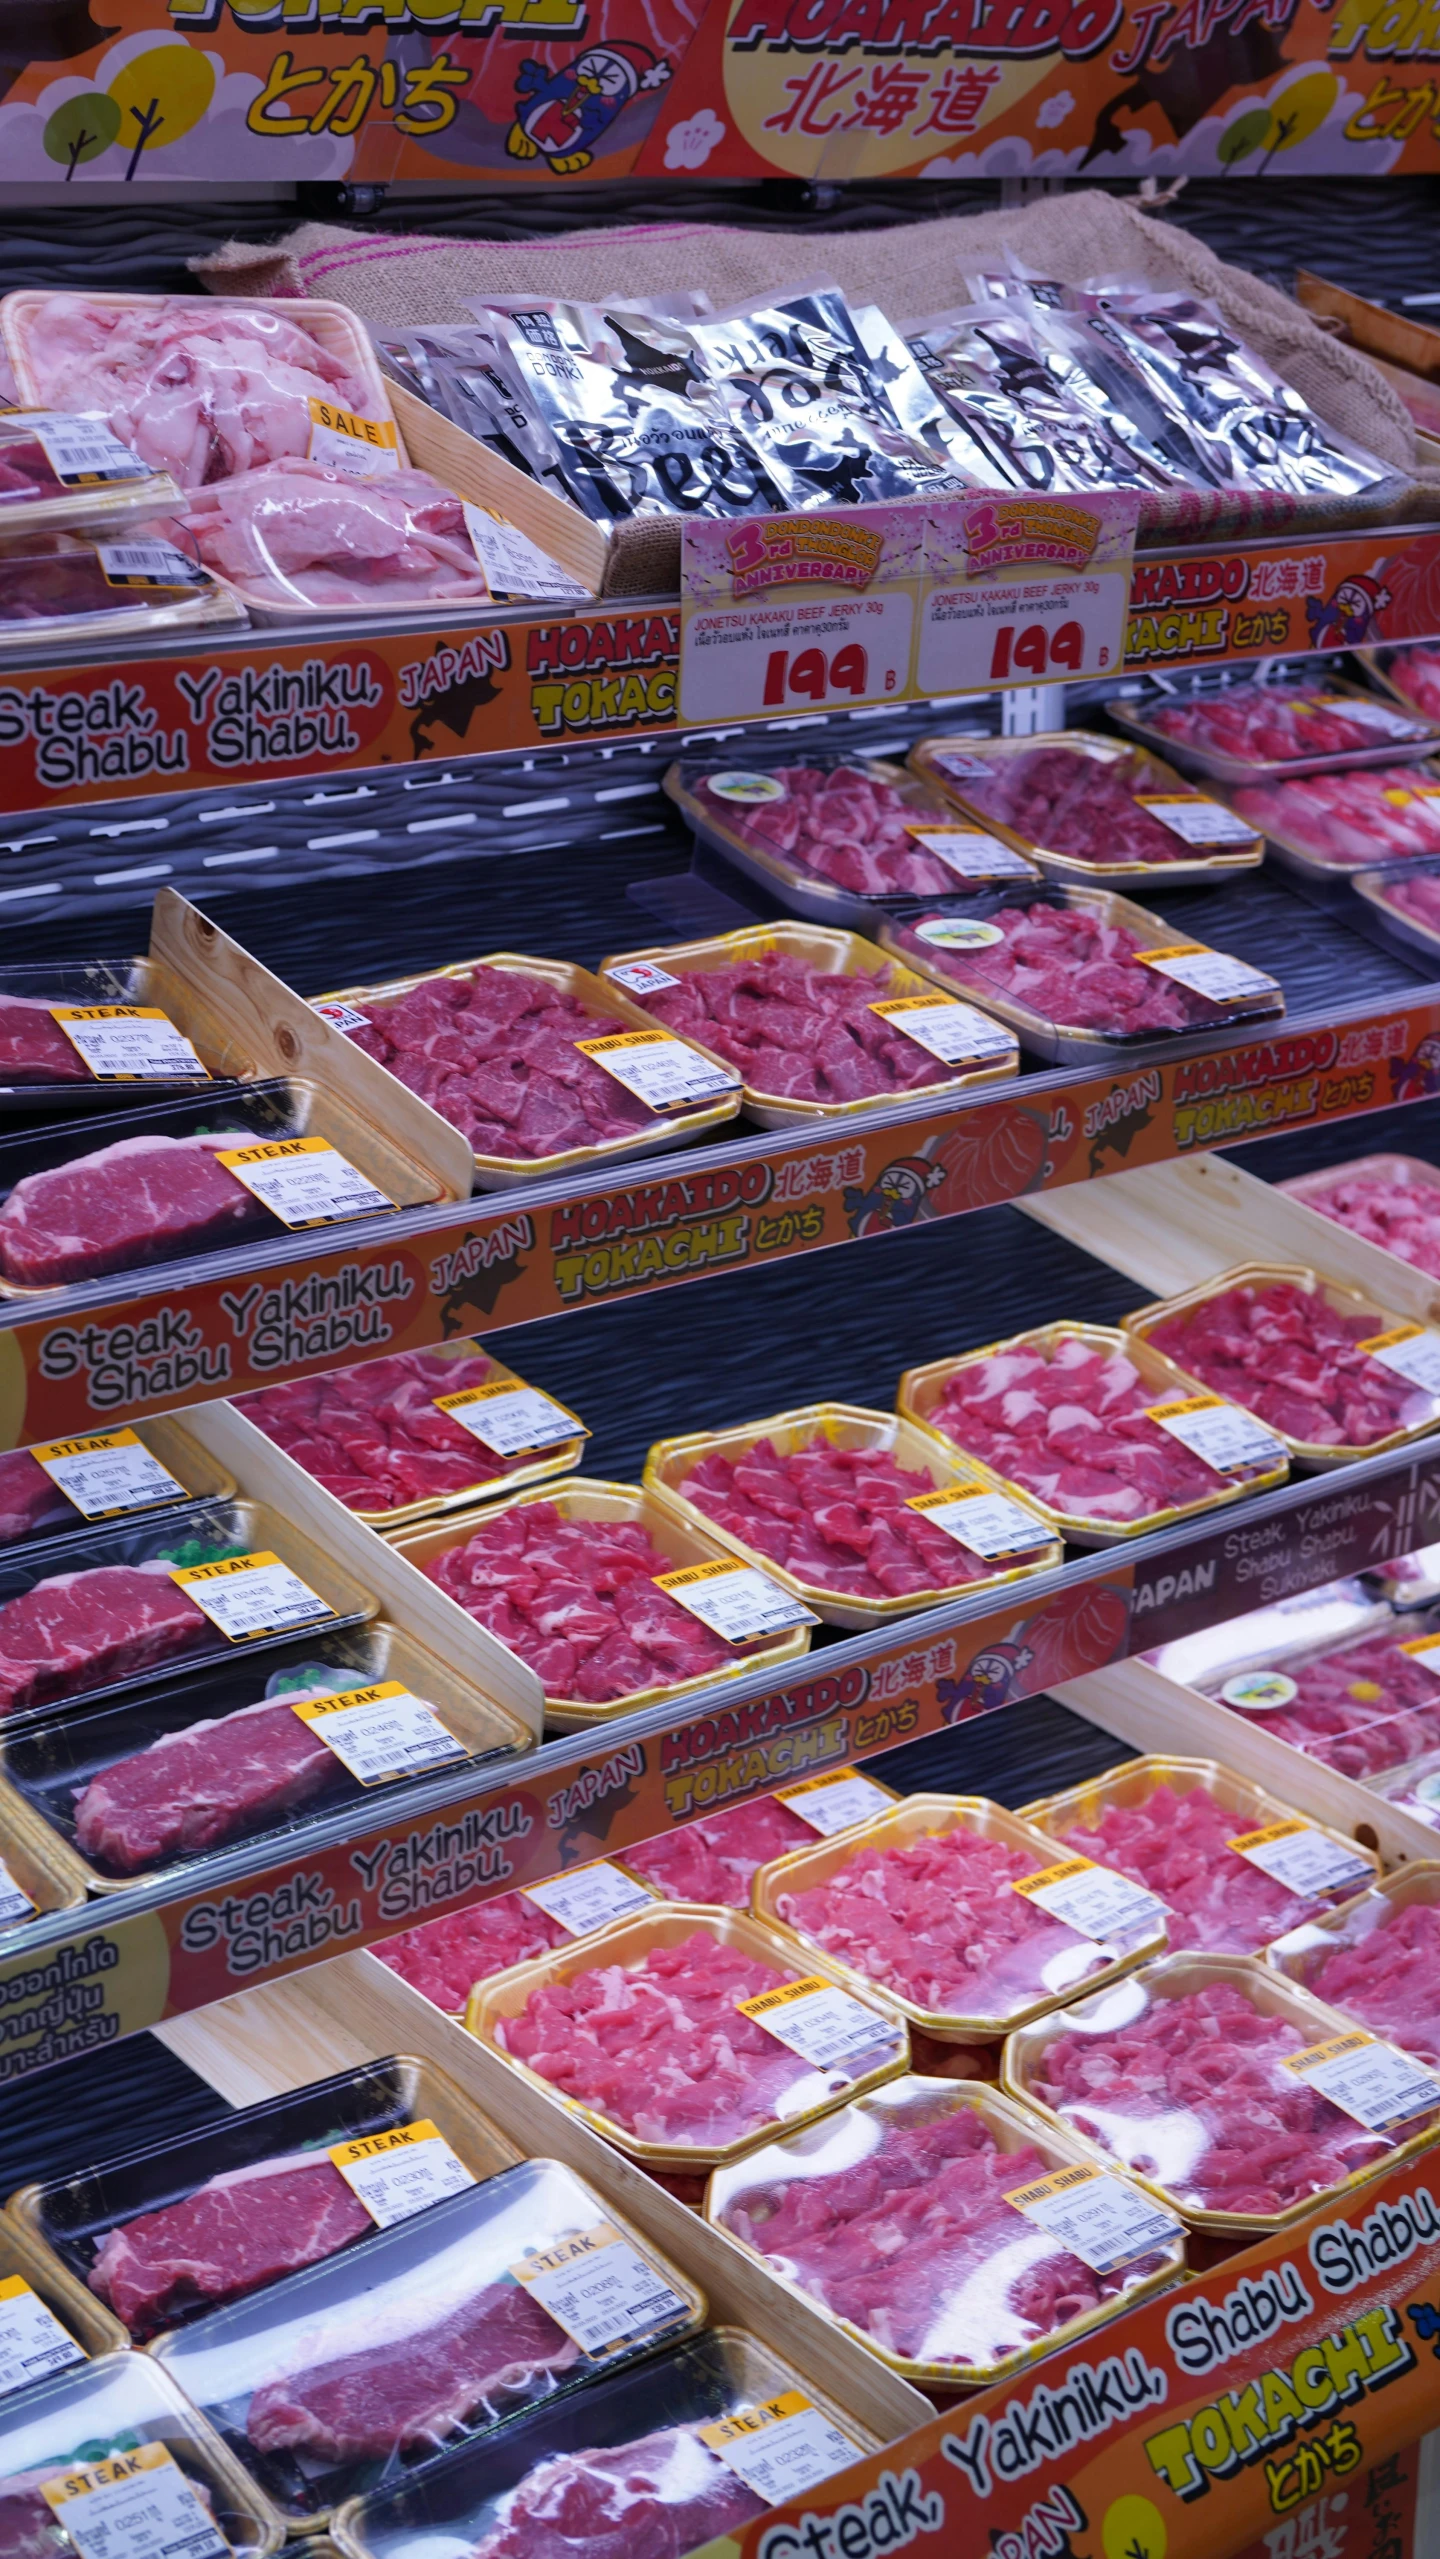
(911, 271)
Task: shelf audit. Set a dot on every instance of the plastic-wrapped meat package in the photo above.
(1090, 808)
(1350, 821)
(842, 823)
(1069, 1424)
(1191, 2092)
(1360, 1707)
(662, 2494)
(1399, 1215)
(934, 1920)
(1067, 966)
(296, 536)
(88, 1629)
(1278, 724)
(196, 1789)
(892, 2215)
(197, 386)
(713, 1861)
(494, 1053)
(1178, 1846)
(1388, 1978)
(1292, 1359)
(661, 2049)
(33, 1048)
(233, 2235)
(31, 1502)
(576, 1599)
(796, 1032)
(835, 1518)
(444, 1958)
(144, 1199)
(372, 1434)
(1418, 899)
(1417, 672)
(60, 578)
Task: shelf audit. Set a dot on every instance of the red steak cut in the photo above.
(33, 1048)
(143, 1200)
(417, 2388)
(84, 1630)
(656, 2498)
(445, 1957)
(192, 1789)
(372, 1434)
(29, 1499)
(1360, 1707)
(28, 2527)
(230, 2237)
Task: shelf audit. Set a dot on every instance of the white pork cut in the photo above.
(295, 534)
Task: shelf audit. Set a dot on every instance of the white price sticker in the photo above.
(1213, 974)
(15, 1903)
(149, 564)
(509, 1418)
(662, 1072)
(600, 2289)
(959, 767)
(1411, 1351)
(1260, 1692)
(1375, 2083)
(32, 2341)
(973, 855)
(1302, 1859)
(361, 447)
(135, 2505)
(82, 452)
(989, 1523)
(820, 2022)
(513, 564)
(781, 2448)
(1222, 1435)
(1198, 821)
(589, 1897)
(642, 977)
(836, 1801)
(303, 1180)
(950, 1030)
(400, 2172)
(126, 1043)
(107, 1472)
(248, 1595)
(736, 1601)
(1099, 2218)
(1093, 1900)
(379, 1732)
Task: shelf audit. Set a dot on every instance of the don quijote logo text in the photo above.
(1073, 28)
(654, 1230)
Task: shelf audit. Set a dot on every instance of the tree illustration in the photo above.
(1298, 112)
(81, 130)
(1245, 134)
(160, 95)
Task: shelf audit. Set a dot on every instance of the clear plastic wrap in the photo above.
(300, 537)
(75, 586)
(111, 1005)
(1405, 904)
(1390, 1201)
(1377, 1960)
(1180, 2074)
(445, 1957)
(69, 2428)
(344, 2377)
(896, 2216)
(1338, 824)
(1361, 1707)
(164, 2234)
(1252, 727)
(923, 1907)
(58, 472)
(63, 1489)
(1091, 808)
(647, 2035)
(716, 1861)
(1066, 1413)
(1412, 674)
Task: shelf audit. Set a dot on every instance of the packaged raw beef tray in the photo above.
(1411, 675)
(924, 2219)
(1404, 905)
(162, 2234)
(1377, 1959)
(344, 2377)
(687, 2035)
(1390, 1201)
(1079, 973)
(865, 1516)
(400, 1438)
(242, 1751)
(1360, 1707)
(816, 1022)
(68, 2434)
(646, 2462)
(446, 1956)
(128, 1603)
(1232, 1865)
(1090, 808)
(947, 1907)
(540, 1065)
(59, 1490)
(89, 1034)
(294, 538)
(183, 1179)
(62, 473)
(1325, 1369)
(1219, 2085)
(37, 1873)
(717, 1859)
(838, 838)
(1413, 1788)
(57, 587)
(609, 1595)
(1331, 825)
(1097, 1430)
(51, 2320)
(1250, 729)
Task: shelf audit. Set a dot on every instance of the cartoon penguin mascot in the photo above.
(560, 115)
